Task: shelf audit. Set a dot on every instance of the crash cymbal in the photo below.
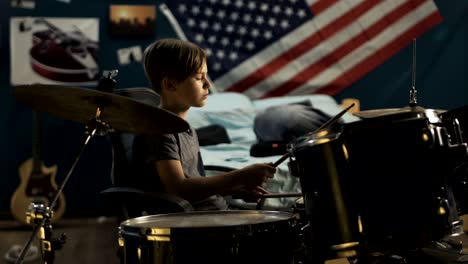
(80, 105)
(393, 111)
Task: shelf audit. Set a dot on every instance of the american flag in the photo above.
(291, 47)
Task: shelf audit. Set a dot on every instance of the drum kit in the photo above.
(386, 189)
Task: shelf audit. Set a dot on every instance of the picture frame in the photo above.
(132, 20)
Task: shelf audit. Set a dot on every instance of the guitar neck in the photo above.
(37, 163)
(51, 26)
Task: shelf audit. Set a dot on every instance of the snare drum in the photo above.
(244, 236)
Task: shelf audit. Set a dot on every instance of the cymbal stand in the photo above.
(413, 100)
(40, 215)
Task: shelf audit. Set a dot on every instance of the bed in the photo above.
(236, 113)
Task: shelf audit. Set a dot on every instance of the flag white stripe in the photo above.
(172, 21)
(368, 49)
(285, 43)
(312, 2)
(326, 47)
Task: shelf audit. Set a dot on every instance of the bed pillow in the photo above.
(323, 102)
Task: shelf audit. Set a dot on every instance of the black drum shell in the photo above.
(257, 242)
(321, 163)
(400, 177)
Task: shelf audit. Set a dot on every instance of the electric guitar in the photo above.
(37, 183)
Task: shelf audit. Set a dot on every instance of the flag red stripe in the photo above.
(322, 5)
(309, 43)
(333, 57)
(377, 58)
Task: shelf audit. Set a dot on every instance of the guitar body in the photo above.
(36, 186)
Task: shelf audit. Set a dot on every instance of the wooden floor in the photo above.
(89, 240)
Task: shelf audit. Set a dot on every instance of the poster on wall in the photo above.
(54, 50)
(132, 20)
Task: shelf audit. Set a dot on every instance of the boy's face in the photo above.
(193, 91)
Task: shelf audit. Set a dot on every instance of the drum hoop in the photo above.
(142, 224)
(332, 136)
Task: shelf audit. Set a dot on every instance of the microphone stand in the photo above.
(40, 215)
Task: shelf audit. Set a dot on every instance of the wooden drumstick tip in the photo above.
(283, 158)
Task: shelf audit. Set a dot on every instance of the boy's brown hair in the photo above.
(171, 58)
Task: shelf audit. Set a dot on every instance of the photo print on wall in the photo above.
(129, 55)
(132, 20)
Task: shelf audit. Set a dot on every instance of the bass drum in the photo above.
(401, 165)
(244, 236)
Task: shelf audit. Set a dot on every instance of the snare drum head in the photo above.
(230, 237)
(207, 219)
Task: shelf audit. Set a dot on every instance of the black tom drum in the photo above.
(320, 160)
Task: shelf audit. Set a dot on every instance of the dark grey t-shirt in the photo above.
(181, 146)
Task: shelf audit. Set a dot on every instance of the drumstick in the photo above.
(335, 118)
(324, 125)
(276, 195)
(283, 158)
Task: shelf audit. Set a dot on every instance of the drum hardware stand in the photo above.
(40, 215)
(413, 100)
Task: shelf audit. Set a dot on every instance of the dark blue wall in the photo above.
(441, 68)
(441, 84)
